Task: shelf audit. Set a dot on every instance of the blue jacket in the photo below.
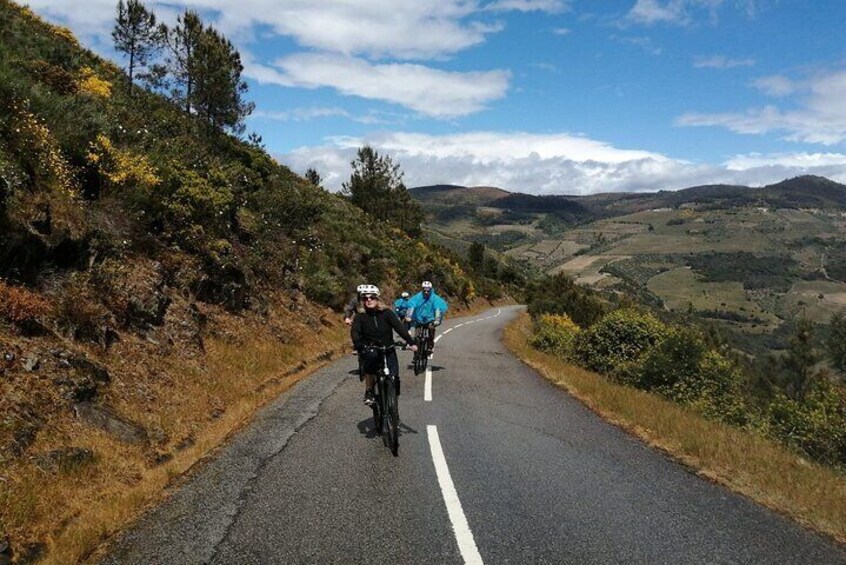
(425, 310)
(401, 306)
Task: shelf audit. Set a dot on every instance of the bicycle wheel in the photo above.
(377, 415)
(391, 417)
(418, 357)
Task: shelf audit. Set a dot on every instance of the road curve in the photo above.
(498, 467)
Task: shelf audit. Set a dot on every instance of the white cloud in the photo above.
(683, 12)
(721, 62)
(550, 164)
(404, 29)
(435, 93)
(775, 85)
(798, 160)
(549, 6)
(820, 117)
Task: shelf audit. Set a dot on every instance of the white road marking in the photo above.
(439, 337)
(427, 388)
(463, 535)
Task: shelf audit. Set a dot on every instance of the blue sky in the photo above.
(539, 96)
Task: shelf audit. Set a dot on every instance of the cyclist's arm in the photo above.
(349, 309)
(355, 332)
(409, 312)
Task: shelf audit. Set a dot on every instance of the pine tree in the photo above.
(136, 35)
(182, 43)
(376, 187)
(312, 176)
(218, 88)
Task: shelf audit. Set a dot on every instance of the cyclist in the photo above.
(353, 304)
(375, 324)
(401, 307)
(426, 308)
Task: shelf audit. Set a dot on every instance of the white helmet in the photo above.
(369, 289)
(426, 285)
(360, 288)
(404, 295)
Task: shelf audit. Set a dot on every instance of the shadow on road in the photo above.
(366, 428)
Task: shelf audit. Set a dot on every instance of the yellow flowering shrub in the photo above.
(90, 83)
(121, 168)
(30, 140)
(556, 334)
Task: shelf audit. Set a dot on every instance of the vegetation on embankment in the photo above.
(160, 278)
(777, 477)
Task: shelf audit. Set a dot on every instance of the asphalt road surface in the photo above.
(495, 466)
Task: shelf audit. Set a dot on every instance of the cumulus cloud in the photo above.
(433, 92)
(402, 29)
(819, 118)
(549, 164)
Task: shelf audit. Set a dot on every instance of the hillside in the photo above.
(747, 259)
(159, 280)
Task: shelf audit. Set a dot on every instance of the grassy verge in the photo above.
(188, 406)
(812, 495)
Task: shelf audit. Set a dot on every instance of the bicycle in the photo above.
(386, 407)
(423, 342)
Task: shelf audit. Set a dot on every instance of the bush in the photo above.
(674, 360)
(21, 306)
(715, 390)
(555, 334)
(558, 294)
(618, 339)
(816, 425)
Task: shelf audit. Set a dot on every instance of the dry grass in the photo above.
(762, 470)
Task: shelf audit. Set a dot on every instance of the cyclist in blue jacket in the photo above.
(401, 307)
(426, 308)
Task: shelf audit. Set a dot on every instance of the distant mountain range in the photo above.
(801, 192)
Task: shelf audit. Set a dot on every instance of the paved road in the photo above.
(498, 467)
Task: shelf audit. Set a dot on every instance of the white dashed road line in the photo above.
(463, 535)
(427, 388)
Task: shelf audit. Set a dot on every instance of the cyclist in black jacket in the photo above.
(375, 324)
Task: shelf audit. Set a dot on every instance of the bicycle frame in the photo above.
(386, 408)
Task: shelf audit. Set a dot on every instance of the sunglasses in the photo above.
(370, 297)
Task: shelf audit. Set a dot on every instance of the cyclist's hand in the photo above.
(437, 322)
(413, 347)
(348, 321)
(408, 319)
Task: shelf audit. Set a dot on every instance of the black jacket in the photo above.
(376, 327)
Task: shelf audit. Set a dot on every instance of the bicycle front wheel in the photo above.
(391, 416)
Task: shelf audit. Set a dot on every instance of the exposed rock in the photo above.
(148, 312)
(5, 551)
(63, 459)
(31, 364)
(96, 371)
(23, 437)
(77, 388)
(106, 419)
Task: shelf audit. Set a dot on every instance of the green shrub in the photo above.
(555, 334)
(612, 344)
(675, 359)
(559, 294)
(715, 390)
(816, 425)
